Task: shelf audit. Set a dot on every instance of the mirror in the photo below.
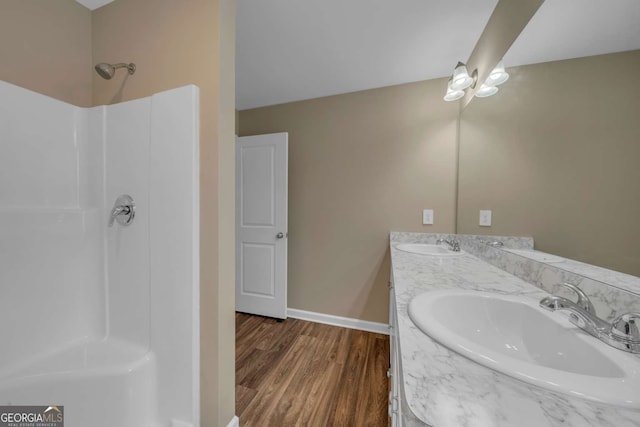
(555, 154)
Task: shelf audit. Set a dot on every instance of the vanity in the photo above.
(472, 347)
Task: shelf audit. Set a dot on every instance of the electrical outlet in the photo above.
(427, 217)
(485, 218)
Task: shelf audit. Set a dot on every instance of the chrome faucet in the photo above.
(118, 210)
(583, 300)
(454, 245)
(623, 333)
(493, 243)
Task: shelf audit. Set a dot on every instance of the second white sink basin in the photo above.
(514, 336)
(424, 249)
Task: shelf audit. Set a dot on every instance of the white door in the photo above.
(261, 224)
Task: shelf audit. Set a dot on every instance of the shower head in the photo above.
(107, 71)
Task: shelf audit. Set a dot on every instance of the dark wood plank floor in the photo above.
(297, 373)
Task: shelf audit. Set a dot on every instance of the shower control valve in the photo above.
(123, 211)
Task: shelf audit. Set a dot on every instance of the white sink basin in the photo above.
(514, 336)
(424, 249)
(536, 255)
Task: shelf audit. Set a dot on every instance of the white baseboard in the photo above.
(345, 322)
(235, 422)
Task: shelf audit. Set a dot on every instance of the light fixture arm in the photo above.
(474, 76)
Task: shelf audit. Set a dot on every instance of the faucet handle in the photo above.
(117, 210)
(625, 332)
(583, 300)
(627, 327)
(123, 211)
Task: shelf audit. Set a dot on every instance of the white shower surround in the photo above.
(102, 320)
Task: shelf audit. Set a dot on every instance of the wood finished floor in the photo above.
(298, 373)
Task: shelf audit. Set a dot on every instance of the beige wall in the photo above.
(555, 155)
(225, 319)
(45, 46)
(360, 165)
(174, 43)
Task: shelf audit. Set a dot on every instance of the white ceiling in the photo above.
(564, 29)
(93, 4)
(289, 50)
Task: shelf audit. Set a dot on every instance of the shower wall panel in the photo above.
(40, 149)
(151, 153)
(174, 250)
(127, 132)
(51, 259)
(70, 282)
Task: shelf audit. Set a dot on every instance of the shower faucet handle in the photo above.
(123, 211)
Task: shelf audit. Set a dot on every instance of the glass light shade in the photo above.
(498, 75)
(486, 90)
(452, 94)
(461, 78)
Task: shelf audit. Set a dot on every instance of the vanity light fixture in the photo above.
(486, 90)
(461, 80)
(498, 75)
(452, 94)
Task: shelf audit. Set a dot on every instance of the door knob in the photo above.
(280, 235)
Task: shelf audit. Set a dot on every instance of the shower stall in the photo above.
(101, 320)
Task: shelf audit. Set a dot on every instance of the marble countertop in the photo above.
(444, 389)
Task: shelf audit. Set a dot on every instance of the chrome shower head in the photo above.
(107, 71)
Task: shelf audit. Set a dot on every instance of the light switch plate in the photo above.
(485, 218)
(427, 217)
